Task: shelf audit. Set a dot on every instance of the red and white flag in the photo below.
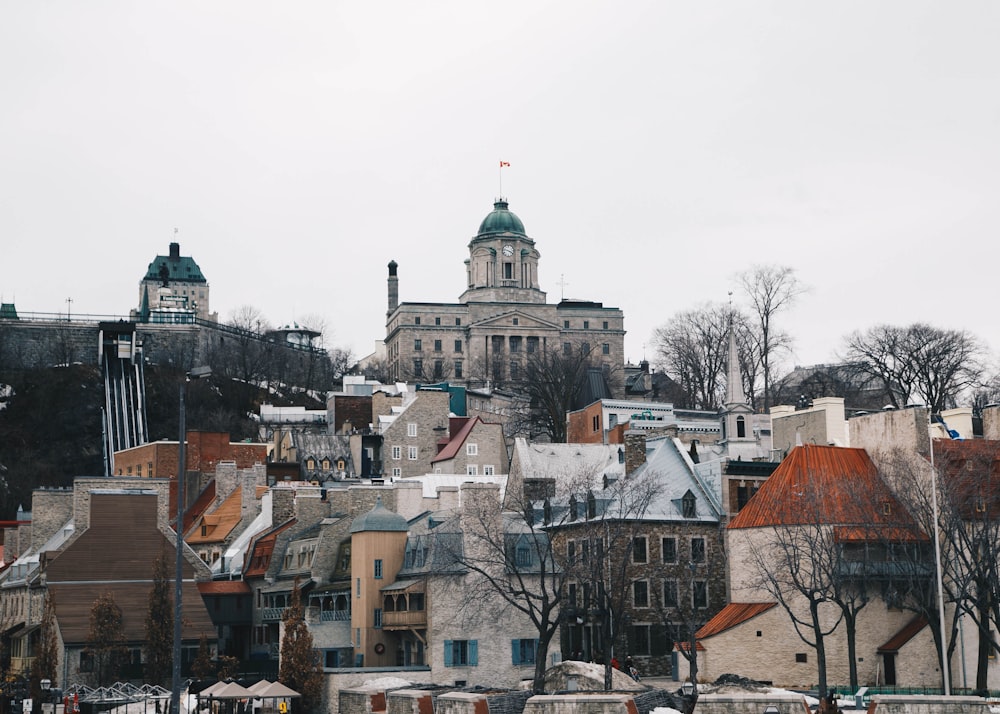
(504, 163)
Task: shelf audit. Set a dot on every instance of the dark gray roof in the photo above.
(379, 518)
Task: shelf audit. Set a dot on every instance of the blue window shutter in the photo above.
(473, 653)
(447, 653)
(515, 651)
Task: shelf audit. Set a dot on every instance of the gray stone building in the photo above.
(500, 321)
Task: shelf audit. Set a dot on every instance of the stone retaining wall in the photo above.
(923, 704)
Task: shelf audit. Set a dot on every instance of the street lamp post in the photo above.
(175, 691)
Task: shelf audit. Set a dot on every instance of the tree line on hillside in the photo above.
(918, 363)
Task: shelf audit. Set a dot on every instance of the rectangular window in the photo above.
(488, 470)
(458, 345)
(437, 320)
(437, 345)
(571, 552)
(515, 370)
(418, 368)
(639, 549)
(697, 550)
(699, 594)
(471, 449)
(359, 588)
(801, 657)
(472, 470)
(397, 453)
(411, 453)
(514, 321)
(522, 556)
(438, 369)
(508, 271)
(640, 593)
(531, 345)
(458, 321)
(378, 618)
(411, 429)
(458, 369)
(397, 471)
(606, 348)
(605, 324)
(565, 324)
(378, 569)
(567, 348)
(586, 324)
(595, 423)
(639, 639)
(669, 549)
(416, 321)
(670, 593)
(417, 345)
(522, 652)
(461, 653)
(515, 344)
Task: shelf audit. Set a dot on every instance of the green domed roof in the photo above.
(500, 220)
(379, 518)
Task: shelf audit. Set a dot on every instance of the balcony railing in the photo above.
(335, 615)
(272, 614)
(404, 619)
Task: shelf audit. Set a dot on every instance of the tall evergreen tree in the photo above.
(300, 667)
(106, 639)
(160, 625)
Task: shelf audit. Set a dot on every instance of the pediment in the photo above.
(525, 321)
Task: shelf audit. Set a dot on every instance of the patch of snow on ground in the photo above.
(664, 710)
(385, 683)
(811, 701)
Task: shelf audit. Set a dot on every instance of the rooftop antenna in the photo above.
(503, 165)
(69, 306)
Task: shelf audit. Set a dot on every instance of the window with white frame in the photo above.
(472, 449)
(411, 429)
(397, 471)
(397, 453)
(488, 470)
(472, 470)
(411, 453)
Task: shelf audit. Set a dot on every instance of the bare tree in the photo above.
(46, 662)
(919, 362)
(692, 351)
(597, 531)
(771, 289)
(511, 558)
(552, 382)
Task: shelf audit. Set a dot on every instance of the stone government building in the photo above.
(500, 320)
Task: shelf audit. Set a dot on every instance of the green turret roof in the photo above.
(379, 518)
(501, 220)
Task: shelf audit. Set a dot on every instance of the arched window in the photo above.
(741, 427)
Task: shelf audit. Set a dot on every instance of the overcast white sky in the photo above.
(656, 149)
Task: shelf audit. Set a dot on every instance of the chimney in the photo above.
(635, 450)
(393, 288)
(175, 251)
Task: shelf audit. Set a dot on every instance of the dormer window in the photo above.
(689, 507)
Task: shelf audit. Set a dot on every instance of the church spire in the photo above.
(734, 378)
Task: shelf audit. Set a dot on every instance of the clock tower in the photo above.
(503, 261)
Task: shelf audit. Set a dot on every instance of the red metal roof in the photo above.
(732, 615)
(258, 557)
(451, 448)
(828, 485)
(907, 633)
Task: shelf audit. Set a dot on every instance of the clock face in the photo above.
(508, 250)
